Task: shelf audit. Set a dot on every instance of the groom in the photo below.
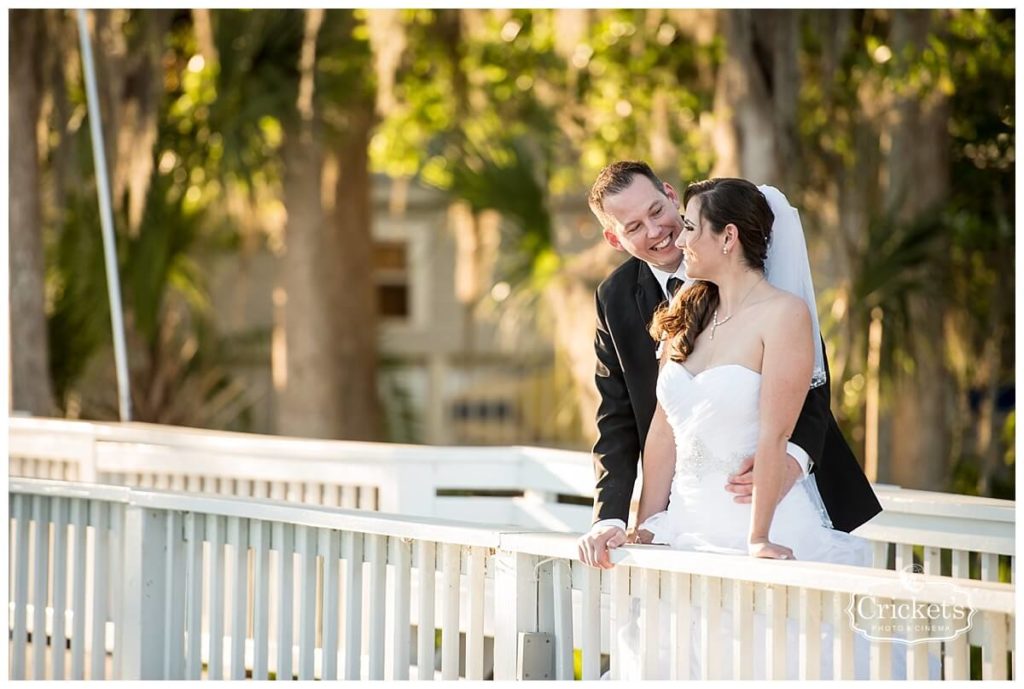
(641, 216)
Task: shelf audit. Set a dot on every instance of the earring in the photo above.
(724, 250)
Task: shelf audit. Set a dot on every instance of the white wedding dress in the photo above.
(715, 420)
(714, 417)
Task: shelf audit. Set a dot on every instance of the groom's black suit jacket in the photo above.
(627, 370)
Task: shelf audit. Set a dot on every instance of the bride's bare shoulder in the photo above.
(785, 310)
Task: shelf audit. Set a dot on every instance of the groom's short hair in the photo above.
(614, 179)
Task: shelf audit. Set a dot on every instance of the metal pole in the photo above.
(106, 222)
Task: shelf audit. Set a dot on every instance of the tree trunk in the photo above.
(919, 181)
(856, 191)
(140, 104)
(354, 305)
(387, 36)
(841, 209)
(988, 446)
(130, 84)
(202, 22)
(468, 96)
(744, 137)
(725, 134)
(62, 69)
(30, 371)
(303, 360)
(570, 300)
(781, 36)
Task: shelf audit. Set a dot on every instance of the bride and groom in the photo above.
(740, 373)
(710, 366)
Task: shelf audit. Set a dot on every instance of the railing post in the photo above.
(145, 592)
(410, 490)
(515, 586)
(87, 471)
(90, 470)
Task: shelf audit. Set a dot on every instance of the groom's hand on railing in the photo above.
(594, 546)
(742, 482)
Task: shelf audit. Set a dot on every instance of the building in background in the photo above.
(450, 374)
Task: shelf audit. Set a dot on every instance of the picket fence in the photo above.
(533, 488)
(300, 591)
(224, 499)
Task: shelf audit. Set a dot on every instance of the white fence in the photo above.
(533, 488)
(310, 591)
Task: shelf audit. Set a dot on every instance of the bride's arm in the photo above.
(658, 458)
(785, 379)
(659, 465)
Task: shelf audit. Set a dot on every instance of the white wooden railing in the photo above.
(123, 573)
(954, 535)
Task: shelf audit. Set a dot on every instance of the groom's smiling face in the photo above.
(644, 221)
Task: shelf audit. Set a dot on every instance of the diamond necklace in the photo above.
(714, 318)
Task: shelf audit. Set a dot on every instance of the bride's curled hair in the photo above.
(722, 201)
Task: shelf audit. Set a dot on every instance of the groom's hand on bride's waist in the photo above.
(741, 483)
(594, 546)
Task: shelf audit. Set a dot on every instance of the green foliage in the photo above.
(256, 81)
(78, 321)
(500, 118)
(904, 260)
(983, 200)
(159, 278)
(159, 259)
(503, 179)
(488, 149)
(344, 79)
(630, 61)
(957, 259)
(966, 475)
(1009, 438)
(173, 348)
(408, 138)
(1004, 483)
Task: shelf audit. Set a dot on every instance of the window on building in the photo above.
(496, 410)
(391, 277)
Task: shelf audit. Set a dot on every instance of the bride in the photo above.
(740, 348)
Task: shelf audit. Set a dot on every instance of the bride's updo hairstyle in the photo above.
(722, 201)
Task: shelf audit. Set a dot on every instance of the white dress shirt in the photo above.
(662, 277)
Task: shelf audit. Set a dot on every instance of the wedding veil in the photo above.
(789, 268)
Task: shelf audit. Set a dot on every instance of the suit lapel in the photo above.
(648, 293)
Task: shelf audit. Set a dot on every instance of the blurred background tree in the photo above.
(247, 132)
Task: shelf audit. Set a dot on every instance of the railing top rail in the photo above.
(934, 503)
(991, 596)
(999, 543)
(69, 489)
(252, 444)
(984, 595)
(363, 521)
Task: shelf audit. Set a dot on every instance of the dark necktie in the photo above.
(674, 284)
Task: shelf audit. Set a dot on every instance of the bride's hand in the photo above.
(640, 536)
(769, 550)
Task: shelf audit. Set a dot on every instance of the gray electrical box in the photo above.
(536, 656)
